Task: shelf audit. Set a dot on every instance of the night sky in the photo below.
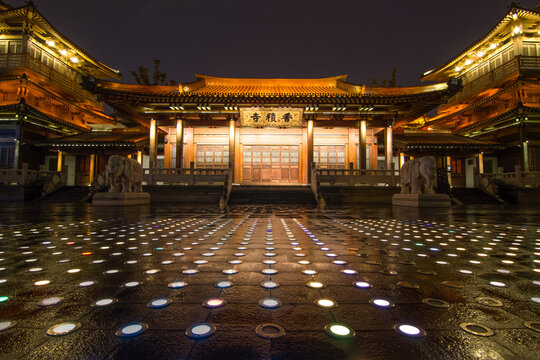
(259, 38)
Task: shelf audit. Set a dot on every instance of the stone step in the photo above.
(472, 196)
(271, 194)
(197, 194)
(335, 195)
(68, 194)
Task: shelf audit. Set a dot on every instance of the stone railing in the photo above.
(25, 60)
(22, 176)
(519, 178)
(357, 177)
(53, 180)
(521, 64)
(50, 180)
(185, 176)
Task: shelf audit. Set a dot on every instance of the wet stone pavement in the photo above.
(268, 282)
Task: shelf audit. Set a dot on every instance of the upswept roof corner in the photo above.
(107, 71)
(438, 73)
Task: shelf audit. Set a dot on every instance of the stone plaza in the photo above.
(269, 282)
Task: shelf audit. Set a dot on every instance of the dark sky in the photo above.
(260, 38)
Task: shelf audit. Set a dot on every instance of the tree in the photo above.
(158, 78)
(386, 82)
(392, 82)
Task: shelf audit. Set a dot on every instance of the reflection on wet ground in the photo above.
(275, 281)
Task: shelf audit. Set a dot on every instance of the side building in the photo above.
(500, 100)
(41, 96)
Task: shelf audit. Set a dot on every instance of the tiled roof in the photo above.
(430, 139)
(205, 85)
(103, 138)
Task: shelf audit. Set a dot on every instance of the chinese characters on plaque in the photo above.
(271, 117)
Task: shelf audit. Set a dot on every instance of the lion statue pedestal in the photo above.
(124, 178)
(417, 180)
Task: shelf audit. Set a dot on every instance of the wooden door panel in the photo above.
(271, 164)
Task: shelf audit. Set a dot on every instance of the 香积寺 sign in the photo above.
(271, 117)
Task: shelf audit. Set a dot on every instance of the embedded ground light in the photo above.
(130, 330)
(339, 331)
(270, 303)
(200, 331)
(63, 328)
(409, 330)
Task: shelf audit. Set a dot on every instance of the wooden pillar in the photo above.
(232, 148)
(388, 147)
(92, 168)
(60, 161)
(480, 163)
(179, 143)
(153, 144)
(139, 157)
(525, 156)
(309, 149)
(401, 159)
(449, 170)
(362, 143)
(167, 153)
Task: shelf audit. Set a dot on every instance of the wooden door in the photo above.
(270, 164)
(212, 156)
(329, 156)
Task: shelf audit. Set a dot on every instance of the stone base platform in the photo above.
(121, 199)
(422, 200)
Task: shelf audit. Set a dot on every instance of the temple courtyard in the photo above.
(269, 282)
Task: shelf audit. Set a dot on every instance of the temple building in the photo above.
(500, 100)
(41, 96)
(266, 131)
(270, 130)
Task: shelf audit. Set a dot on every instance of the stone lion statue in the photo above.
(123, 174)
(418, 176)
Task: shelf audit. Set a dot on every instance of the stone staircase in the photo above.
(473, 196)
(271, 194)
(193, 194)
(68, 194)
(337, 195)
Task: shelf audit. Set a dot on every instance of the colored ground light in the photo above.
(268, 282)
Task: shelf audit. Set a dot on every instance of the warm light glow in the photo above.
(74, 59)
(325, 303)
(468, 62)
(51, 43)
(340, 330)
(63, 52)
(458, 68)
(517, 30)
(480, 53)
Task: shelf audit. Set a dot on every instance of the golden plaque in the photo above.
(271, 117)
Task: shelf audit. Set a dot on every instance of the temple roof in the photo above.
(440, 140)
(222, 97)
(47, 32)
(114, 138)
(334, 86)
(516, 19)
